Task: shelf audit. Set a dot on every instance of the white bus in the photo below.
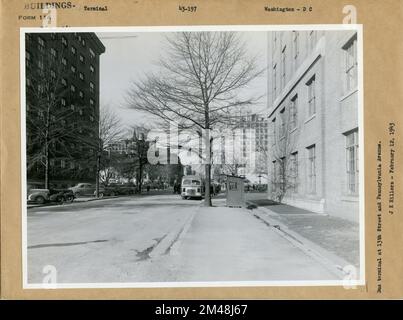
(192, 187)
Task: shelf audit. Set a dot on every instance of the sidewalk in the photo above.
(229, 244)
(337, 235)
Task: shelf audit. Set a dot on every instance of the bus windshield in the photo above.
(191, 182)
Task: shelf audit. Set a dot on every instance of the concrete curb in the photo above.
(329, 260)
(70, 203)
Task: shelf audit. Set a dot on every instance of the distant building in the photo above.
(259, 125)
(62, 95)
(248, 135)
(313, 120)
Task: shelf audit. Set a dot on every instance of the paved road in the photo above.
(160, 239)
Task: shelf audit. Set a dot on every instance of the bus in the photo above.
(192, 187)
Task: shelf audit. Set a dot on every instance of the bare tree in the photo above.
(201, 76)
(108, 131)
(284, 173)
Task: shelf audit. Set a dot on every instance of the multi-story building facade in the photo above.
(243, 146)
(259, 126)
(313, 120)
(62, 105)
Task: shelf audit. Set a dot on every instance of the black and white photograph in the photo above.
(192, 156)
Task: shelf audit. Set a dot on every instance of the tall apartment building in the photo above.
(62, 105)
(259, 125)
(248, 135)
(313, 120)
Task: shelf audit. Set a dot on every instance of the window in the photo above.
(274, 176)
(92, 69)
(274, 41)
(81, 76)
(52, 74)
(72, 107)
(41, 44)
(91, 87)
(71, 165)
(294, 171)
(295, 46)
(312, 40)
(92, 54)
(81, 58)
(63, 102)
(73, 50)
(350, 65)
(62, 164)
(311, 169)
(40, 89)
(81, 94)
(27, 58)
(294, 112)
(352, 162)
(273, 123)
(73, 69)
(311, 96)
(283, 68)
(282, 123)
(40, 65)
(64, 41)
(64, 82)
(53, 52)
(91, 102)
(80, 112)
(73, 88)
(29, 82)
(274, 81)
(64, 61)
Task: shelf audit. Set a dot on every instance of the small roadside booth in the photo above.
(235, 192)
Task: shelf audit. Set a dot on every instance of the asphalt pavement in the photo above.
(161, 238)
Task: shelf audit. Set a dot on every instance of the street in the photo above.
(160, 238)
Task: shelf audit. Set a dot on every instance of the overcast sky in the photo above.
(129, 56)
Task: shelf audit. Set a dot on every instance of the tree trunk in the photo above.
(207, 194)
(140, 177)
(97, 173)
(47, 164)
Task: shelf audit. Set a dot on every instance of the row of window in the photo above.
(63, 122)
(64, 41)
(285, 171)
(289, 118)
(350, 74)
(41, 89)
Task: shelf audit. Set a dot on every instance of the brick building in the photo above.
(62, 105)
(313, 120)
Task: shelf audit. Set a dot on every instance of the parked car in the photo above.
(122, 189)
(83, 189)
(37, 193)
(61, 195)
